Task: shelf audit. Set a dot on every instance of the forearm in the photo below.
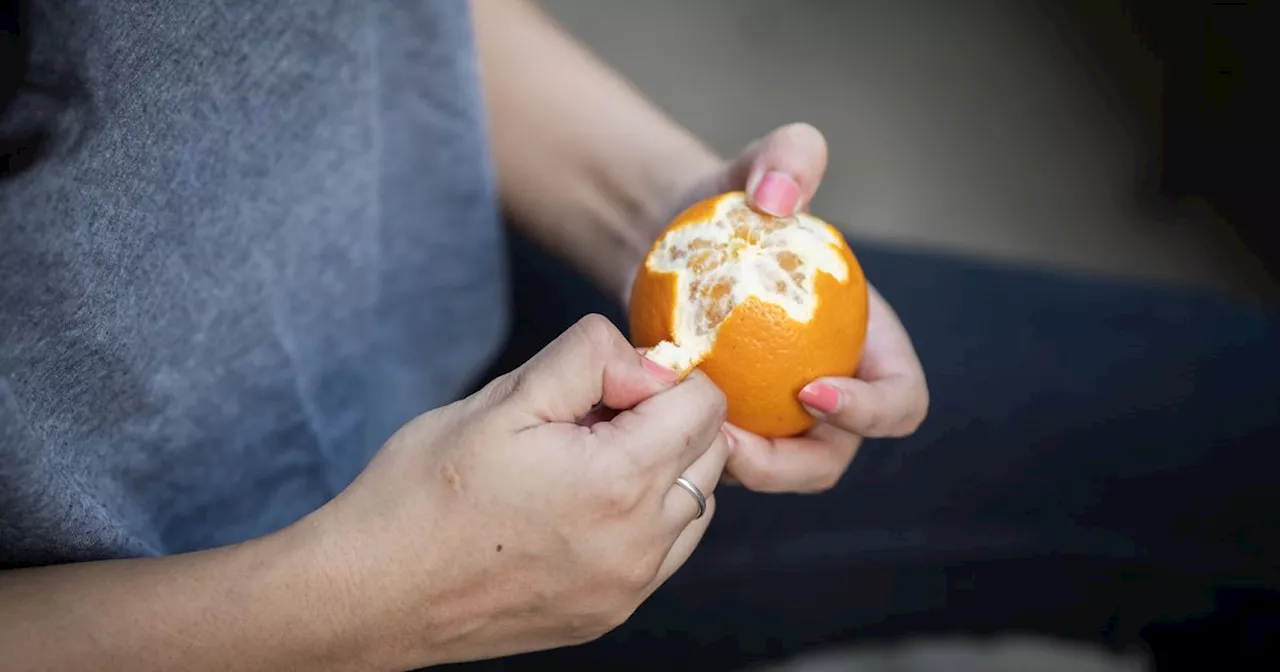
(586, 165)
(255, 606)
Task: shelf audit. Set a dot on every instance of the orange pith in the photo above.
(763, 305)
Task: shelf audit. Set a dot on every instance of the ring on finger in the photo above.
(696, 492)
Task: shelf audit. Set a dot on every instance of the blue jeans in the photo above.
(1101, 462)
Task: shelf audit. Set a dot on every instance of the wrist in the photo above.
(308, 577)
(378, 601)
(655, 193)
(670, 179)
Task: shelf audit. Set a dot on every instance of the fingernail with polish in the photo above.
(659, 371)
(777, 194)
(820, 397)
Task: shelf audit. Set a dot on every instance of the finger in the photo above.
(681, 506)
(889, 397)
(674, 428)
(888, 350)
(889, 407)
(602, 413)
(781, 171)
(684, 545)
(591, 363)
(811, 463)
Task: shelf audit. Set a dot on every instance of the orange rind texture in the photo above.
(763, 305)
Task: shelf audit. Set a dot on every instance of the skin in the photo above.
(455, 543)
(460, 540)
(594, 172)
(588, 184)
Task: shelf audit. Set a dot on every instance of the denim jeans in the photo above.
(1101, 462)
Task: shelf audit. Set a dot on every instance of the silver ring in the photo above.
(692, 489)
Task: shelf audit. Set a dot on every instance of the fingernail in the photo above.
(777, 194)
(661, 372)
(820, 397)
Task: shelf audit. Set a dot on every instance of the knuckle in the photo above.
(801, 129)
(829, 479)
(874, 421)
(719, 404)
(921, 412)
(499, 389)
(636, 575)
(622, 497)
(627, 571)
(713, 397)
(911, 418)
(598, 332)
(914, 419)
(691, 443)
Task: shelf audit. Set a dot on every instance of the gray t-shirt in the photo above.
(271, 238)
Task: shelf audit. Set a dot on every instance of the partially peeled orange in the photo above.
(763, 305)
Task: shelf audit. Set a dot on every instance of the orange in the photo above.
(763, 305)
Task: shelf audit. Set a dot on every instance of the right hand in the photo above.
(505, 523)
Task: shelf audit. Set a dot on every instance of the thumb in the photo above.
(589, 364)
(781, 171)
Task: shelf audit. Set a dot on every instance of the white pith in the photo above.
(747, 267)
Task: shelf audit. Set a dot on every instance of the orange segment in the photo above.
(763, 305)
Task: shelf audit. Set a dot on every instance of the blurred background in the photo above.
(1123, 138)
(1034, 131)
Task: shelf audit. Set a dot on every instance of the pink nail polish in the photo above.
(777, 194)
(820, 397)
(659, 371)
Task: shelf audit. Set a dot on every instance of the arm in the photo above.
(592, 171)
(587, 167)
(256, 606)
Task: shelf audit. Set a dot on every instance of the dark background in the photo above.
(1114, 137)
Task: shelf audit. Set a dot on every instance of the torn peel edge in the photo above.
(681, 359)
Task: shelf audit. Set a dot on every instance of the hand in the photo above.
(888, 396)
(504, 524)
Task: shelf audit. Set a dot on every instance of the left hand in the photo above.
(887, 397)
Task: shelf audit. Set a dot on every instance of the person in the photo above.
(251, 255)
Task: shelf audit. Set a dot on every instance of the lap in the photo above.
(1098, 457)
